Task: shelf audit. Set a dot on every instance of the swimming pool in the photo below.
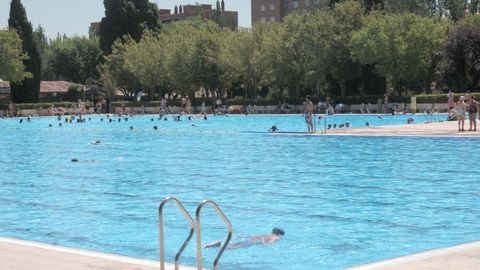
(341, 200)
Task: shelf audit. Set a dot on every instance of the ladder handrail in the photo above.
(199, 236)
(160, 229)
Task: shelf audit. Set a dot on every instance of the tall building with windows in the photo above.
(205, 11)
(276, 10)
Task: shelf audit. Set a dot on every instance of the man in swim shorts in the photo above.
(277, 234)
(308, 113)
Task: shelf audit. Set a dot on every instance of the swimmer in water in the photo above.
(76, 160)
(273, 129)
(277, 234)
(96, 142)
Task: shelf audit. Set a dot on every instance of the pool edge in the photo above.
(462, 256)
(94, 259)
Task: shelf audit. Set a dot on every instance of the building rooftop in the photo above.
(45, 86)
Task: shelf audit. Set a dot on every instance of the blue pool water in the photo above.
(342, 201)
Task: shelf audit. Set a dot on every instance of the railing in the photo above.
(199, 236)
(160, 229)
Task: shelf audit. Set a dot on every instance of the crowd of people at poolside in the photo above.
(466, 106)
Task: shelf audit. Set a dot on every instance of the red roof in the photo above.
(46, 86)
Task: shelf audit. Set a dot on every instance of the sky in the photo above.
(73, 17)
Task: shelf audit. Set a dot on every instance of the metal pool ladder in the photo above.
(194, 226)
(160, 230)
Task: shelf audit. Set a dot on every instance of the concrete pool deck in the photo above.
(461, 257)
(438, 129)
(26, 255)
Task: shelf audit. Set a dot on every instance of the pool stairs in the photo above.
(195, 226)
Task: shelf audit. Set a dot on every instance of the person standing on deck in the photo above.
(461, 108)
(308, 113)
(451, 102)
(472, 113)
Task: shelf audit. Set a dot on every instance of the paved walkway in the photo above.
(26, 255)
(442, 129)
(461, 257)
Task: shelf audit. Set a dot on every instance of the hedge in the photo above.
(370, 99)
(176, 102)
(441, 98)
(33, 106)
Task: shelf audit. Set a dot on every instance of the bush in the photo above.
(75, 92)
(441, 98)
(34, 106)
(370, 99)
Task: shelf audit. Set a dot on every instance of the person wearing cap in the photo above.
(308, 113)
(267, 239)
(460, 109)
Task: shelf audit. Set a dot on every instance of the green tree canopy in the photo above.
(12, 57)
(126, 17)
(401, 47)
(460, 68)
(73, 59)
(28, 89)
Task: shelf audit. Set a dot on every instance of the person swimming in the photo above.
(273, 129)
(277, 234)
(76, 160)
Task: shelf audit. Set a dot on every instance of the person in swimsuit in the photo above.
(273, 129)
(451, 102)
(277, 234)
(308, 113)
(460, 108)
(472, 113)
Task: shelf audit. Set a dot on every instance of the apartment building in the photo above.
(183, 12)
(276, 10)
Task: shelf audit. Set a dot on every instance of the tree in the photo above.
(206, 65)
(28, 89)
(126, 17)
(114, 72)
(42, 41)
(460, 68)
(474, 6)
(456, 8)
(401, 47)
(73, 59)
(333, 31)
(12, 57)
(147, 62)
